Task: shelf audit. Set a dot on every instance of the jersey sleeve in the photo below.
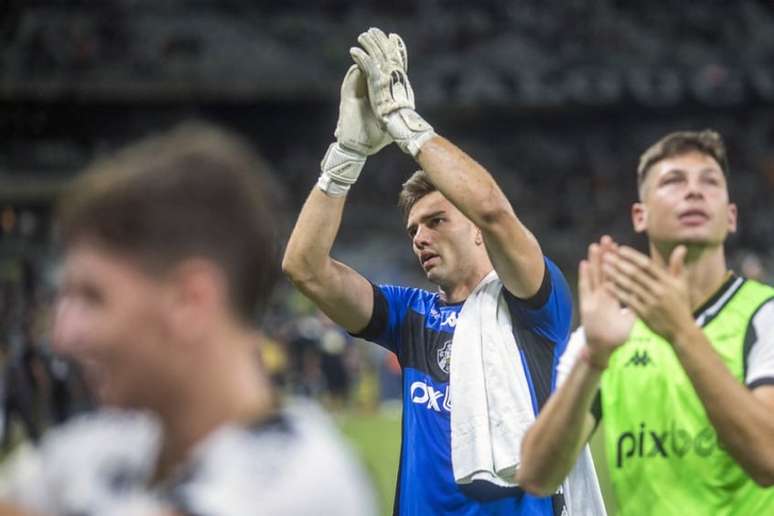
(549, 311)
(759, 347)
(391, 304)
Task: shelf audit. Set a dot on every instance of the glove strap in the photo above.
(409, 130)
(340, 169)
(331, 186)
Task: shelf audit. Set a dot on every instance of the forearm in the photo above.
(464, 182)
(551, 446)
(744, 424)
(514, 251)
(307, 255)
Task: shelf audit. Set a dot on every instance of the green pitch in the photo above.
(376, 437)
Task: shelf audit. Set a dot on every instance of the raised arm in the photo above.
(341, 292)
(514, 251)
(551, 446)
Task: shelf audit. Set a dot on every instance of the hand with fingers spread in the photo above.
(359, 134)
(658, 295)
(605, 323)
(385, 62)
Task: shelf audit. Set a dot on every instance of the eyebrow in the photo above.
(426, 217)
(706, 170)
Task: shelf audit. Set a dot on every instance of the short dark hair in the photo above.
(415, 187)
(707, 142)
(196, 190)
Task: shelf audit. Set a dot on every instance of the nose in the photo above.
(421, 237)
(694, 190)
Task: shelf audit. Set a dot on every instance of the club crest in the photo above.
(444, 356)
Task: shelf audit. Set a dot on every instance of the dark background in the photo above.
(556, 98)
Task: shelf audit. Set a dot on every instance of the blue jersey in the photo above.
(418, 326)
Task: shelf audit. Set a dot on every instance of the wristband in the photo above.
(340, 169)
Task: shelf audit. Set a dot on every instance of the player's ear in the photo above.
(639, 217)
(199, 293)
(732, 217)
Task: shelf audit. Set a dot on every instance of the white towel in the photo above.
(492, 406)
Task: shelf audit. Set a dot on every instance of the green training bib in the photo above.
(663, 452)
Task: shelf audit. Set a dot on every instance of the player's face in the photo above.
(111, 318)
(685, 200)
(442, 239)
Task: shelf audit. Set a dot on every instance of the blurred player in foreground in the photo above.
(686, 372)
(169, 249)
(462, 228)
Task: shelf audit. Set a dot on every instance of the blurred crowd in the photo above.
(556, 99)
(537, 54)
(570, 177)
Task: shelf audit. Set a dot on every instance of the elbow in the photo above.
(761, 471)
(530, 477)
(308, 277)
(534, 486)
(291, 268)
(532, 481)
(764, 478)
(298, 272)
(764, 481)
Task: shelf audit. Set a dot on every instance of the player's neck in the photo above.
(705, 267)
(229, 389)
(460, 291)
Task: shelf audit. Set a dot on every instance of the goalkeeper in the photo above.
(461, 228)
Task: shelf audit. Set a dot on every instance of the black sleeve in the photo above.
(378, 323)
(540, 297)
(760, 382)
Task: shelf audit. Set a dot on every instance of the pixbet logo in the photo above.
(432, 398)
(676, 441)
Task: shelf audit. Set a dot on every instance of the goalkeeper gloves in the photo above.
(385, 63)
(359, 134)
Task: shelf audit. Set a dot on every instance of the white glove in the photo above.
(358, 134)
(385, 63)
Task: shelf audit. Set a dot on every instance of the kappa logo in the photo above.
(451, 320)
(424, 394)
(444, 356)
(639, 358)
